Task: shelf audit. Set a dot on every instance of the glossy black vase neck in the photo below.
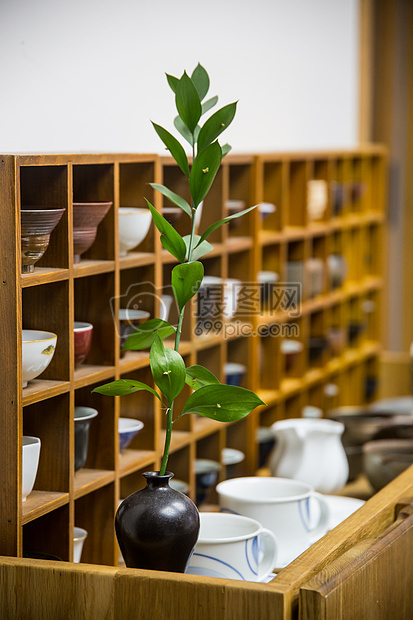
(154, 480)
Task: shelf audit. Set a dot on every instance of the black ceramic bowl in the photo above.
(206, 475)
(266, 442)
(83, 418)
(354, 330)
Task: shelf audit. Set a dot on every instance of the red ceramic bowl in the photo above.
(83, 339)
(86, 219)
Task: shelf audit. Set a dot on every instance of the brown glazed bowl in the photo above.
(37, 223)
(83, 340)
(86, 218)
(384, 459)
(363, 424)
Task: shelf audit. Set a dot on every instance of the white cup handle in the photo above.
(268, 559)
(322, 526)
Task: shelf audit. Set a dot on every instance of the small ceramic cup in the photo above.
(296, 273)
(233, 207)
(129, 319)
(230, 458)
(79, 537)
(291, 350)
(30, 456)
(317, 199)
(233, 547)
(128, 428)
(83, 419)
(314, 268)
(83, 340)
(337, 270)
(234, 373)
(267, 281)
(206, 476)
(265, 438)
(280, 504)
(179, 485)
(265, 209)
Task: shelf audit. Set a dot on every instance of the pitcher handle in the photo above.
(322, 526)
(269, 551)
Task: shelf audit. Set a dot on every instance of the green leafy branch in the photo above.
(209, 398)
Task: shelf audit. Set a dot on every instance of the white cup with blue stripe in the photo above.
(286, 507)
(233, 547)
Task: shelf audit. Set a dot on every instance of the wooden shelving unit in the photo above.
(59, 292)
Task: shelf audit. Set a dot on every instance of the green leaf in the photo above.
(197, 250)
(215, 125)
(216, 225)
(225, 403)
(170, 239)
(168, 369)
(183, 130)
(225, 149)
(143, 336)
(172, 81)
(187, 102)
(204, 169)
(174, 147)
(200, 79)
(186, 280)
(122, 387)
(177, 200)
(198, 376)
(210, 103)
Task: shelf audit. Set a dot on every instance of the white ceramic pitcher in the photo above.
(310, 450)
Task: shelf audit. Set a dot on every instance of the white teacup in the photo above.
(280, 504)
(233, 547)
(79, 537)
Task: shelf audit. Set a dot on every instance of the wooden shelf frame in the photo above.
(58, 292)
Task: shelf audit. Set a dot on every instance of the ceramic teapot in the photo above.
(310, 450)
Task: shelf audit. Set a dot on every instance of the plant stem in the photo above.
(169, 418)
(167, 440)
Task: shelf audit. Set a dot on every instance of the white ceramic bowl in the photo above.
(79, 537)
(37, 352)
(179, 485)
(134, 225)
(30, 457)
(165, 307)
(128, 428)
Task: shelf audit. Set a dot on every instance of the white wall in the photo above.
(87, 75)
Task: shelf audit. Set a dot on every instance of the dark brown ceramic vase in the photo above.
(37, 223)
(86, 219)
